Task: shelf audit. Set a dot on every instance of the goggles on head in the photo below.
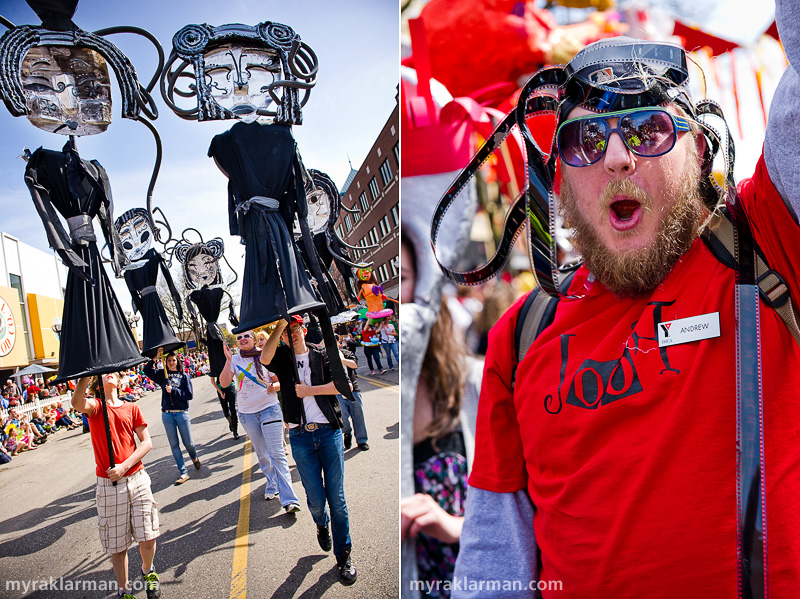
(647, 132)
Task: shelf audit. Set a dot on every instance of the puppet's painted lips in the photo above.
(243, 109)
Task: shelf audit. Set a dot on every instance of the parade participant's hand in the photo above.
(116, 473)
(168, 388)
(159, 353)
(302, 390)
(271, 387)
(421, 514)
(227, 351)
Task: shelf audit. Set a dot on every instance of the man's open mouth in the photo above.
(625, 214)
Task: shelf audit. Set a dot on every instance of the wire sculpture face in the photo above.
(239, 78)
(201, 262)
(240, 71)
(67, 90)
(202, 269)
(136, 233)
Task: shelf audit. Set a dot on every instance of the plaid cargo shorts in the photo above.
(126, 512)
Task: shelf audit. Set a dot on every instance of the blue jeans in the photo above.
(321, 453)
(373, 352)
(174, 423)
(265, 431)
(354, 410)
(387, 347)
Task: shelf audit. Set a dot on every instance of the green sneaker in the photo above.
(152, 585)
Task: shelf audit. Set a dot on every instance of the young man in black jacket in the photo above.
(311, 410)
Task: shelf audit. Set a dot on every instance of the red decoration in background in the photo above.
(475, 43)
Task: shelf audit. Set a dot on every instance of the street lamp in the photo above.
(133, 319)
(56, 326)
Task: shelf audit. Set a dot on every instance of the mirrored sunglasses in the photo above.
(647, 132)
(244, 336)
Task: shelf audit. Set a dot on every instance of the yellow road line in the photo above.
(239, 572)
(377, 382)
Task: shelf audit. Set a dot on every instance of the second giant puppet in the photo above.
(261, 75)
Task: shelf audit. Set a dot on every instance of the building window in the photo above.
(386, 172)
(392, 129)
(373, 239)
(358, 184)
(385, 221)
(379, 152)
(373, 187)
(382, 226)
(347, 222)
(339, 231)
(395, 215)
(393, 266)
(368, 169)
(383, 273)
(364, 202)
(397, 152)
(356, 216)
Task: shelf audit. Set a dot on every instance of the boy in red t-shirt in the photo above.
(128, 514)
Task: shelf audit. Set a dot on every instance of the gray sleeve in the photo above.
(783, 127)
(497, 547)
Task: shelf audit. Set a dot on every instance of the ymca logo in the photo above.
(665, 328)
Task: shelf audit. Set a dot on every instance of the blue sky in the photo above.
(356, 42)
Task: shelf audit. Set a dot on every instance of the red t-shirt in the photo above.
(123, 420)
(628, 450)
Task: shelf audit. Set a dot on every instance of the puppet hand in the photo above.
(421, 514)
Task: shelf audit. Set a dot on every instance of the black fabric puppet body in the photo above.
(95, 336)
(141, 281)
(208, 301)
(265, 189)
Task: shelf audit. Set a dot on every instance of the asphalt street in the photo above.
(219, 537)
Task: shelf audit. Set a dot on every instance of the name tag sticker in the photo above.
(685, 330)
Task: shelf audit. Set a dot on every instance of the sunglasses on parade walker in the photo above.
(647, 132)
(243, 336)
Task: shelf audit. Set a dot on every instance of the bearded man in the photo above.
(607, 461)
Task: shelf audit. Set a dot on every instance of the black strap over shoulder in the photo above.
(535, 315)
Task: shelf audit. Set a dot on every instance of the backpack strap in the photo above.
(535, 315)
(772, 288)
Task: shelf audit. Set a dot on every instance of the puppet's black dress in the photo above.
(208, 301)
(141, 283)
(265, 189)
(95, 336)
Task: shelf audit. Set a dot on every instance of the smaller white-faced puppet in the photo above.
(141, 276)
(202, 274)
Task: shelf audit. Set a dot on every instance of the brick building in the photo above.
(374, 191)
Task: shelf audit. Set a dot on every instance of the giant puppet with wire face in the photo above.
(141, 276)
(57, 76)
(202, 274)
(261, 75)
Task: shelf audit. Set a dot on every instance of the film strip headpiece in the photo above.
(614, 74)
(241, 71)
